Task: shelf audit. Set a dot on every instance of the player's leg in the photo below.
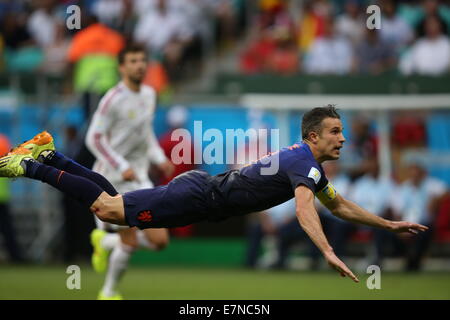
(103, 240)
(43, 150)
(60, 161)
(109, 209)
(150, 239)
(130, 240)
(153, 239)
(89, 194)
(118, 263)
(182, 202)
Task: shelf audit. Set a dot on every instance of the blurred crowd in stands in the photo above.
(411, 194)
(285, 36)
(331, 37)
(38, 35)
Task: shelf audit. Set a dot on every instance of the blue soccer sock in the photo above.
(81, 189)
(60, 161)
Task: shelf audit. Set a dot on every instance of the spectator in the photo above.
(225, 16)
(363, 145)
(417, 202)
(93, 52)
(311, 26)
(285, 57)
(254, 59)
(9, 6)
(43, 23)
(443, 220)
(339, 230)
(20, 50)
(275, 51)
(374, 193)
(409, 131)
(395, 30)
(433, 8)
(274, 14)
(373, 55)
(14, 32)
(143, 7)
(55, 55)
(6, 224)
(164, 34)
(430, 55)
(116, 14)
(280, 223)
(351, 23)
(329, 54)
(197, 16)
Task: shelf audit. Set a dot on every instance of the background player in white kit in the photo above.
(122, 139)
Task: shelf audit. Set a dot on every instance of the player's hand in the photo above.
(405, 226)
(167, 168)
(340, 266)
(129, 175)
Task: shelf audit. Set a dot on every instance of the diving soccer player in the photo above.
(196, 196)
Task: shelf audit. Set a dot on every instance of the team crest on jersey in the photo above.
(145, 216)
(314, 174)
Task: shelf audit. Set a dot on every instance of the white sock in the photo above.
(118, 262)
(143, 241)
(110, 240)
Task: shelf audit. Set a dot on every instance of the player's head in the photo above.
(133, 63)
(322, 129)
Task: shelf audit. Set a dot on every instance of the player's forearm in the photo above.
(350, 211)
(310, 222)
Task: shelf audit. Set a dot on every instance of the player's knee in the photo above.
(161, 243)
(107, 215)
(131, 243)
(105, 208)
(129, 238)
(103, 215)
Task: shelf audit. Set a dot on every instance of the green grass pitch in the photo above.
(178, 283)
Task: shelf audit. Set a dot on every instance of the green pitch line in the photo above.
(214, 283)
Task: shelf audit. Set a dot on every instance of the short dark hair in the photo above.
(130, 48)
(312, 120)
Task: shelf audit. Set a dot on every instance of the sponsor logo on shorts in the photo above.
(145, 216)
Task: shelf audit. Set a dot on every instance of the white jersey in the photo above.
(121, 136)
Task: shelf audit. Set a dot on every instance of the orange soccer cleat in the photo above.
(40, 146)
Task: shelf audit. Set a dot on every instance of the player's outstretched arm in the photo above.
(310, 222)
(350, 211)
